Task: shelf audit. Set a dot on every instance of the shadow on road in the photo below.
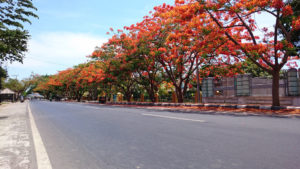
(3, 117)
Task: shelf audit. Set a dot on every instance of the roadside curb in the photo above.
(160, 107)
(264, 107)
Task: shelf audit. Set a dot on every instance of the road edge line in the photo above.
(172, 117)
(42, 158)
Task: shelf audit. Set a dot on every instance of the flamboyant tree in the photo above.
(42, 88)
(117, 69)
(182, 46)
(90, 76)
(287, 21)
(37, 83)
(162, 46)
(103, 55)
(234, 20)
(73, 82)
(147, 70)
(129, 64)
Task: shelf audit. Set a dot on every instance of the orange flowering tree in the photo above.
(81, 78)
(104, 55)
(59, 84)
(147, 71)
(73, 82)
(39, 84)
(49, 86)
(235, 21)
(90, 76)
(161, 47)
(181, 46)
(130, 64)
(118, 70)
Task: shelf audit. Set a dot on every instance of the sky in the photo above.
(68, 31)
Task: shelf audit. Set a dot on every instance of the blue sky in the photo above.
(67, 31)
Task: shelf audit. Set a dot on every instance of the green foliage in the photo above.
(13, 44)
(15, 85)
(31, 83)
(13, 37)
(254, 70)
(3, 75)
(287, 23)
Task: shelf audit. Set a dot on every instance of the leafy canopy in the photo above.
(13, 36)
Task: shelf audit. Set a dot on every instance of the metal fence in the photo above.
(245, 85)
(233, 89)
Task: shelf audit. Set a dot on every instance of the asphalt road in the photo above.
(81, 136)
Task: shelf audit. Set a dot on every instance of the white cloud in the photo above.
(53, 51)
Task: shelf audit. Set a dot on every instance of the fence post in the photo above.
(242, 85)
(292, 82)
(131, 98)
(174, 97)
(142, 97)
(156, 97)
(208, 87)
(197, 95)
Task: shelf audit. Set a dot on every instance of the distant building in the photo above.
(7, 95)
(35, 96)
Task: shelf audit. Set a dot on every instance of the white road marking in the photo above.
(176, 118)
(92, 107)
(42, 158)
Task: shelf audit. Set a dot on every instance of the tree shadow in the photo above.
(3, 117)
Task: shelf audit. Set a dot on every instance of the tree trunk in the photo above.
(275, 88)
(78, 96)
(127, 96)
(151, 96)
(179, 95)
(151, 93)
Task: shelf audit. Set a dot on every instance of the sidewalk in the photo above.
(15, 137)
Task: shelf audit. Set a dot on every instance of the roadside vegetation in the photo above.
(14, 14)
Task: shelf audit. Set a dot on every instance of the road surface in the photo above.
(82, 136)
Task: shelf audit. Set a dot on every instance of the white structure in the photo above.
(35, 96)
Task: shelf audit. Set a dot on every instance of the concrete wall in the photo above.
(263, 87)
